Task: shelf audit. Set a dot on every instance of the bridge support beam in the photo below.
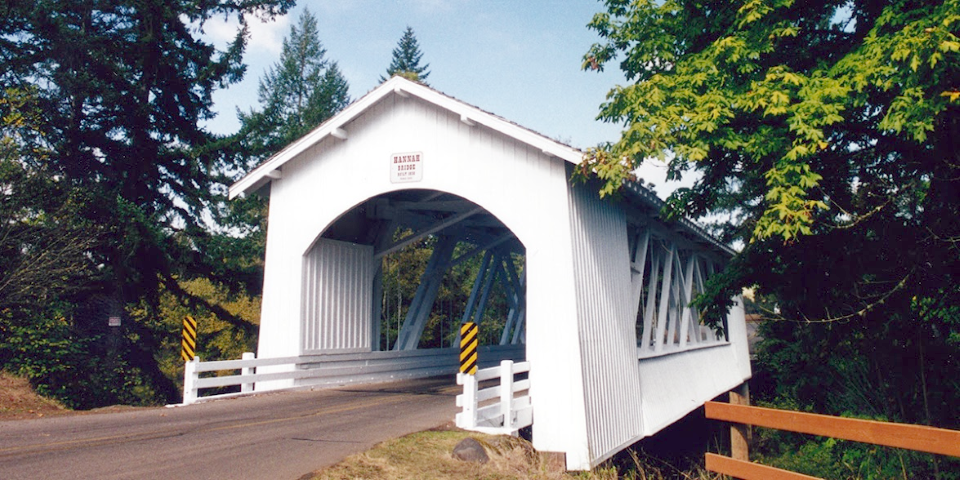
(673, 278)
(740, 433)
(496, 266)
(425, 295)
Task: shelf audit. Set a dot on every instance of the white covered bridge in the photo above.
(596, 292)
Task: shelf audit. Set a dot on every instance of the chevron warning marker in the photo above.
(188, 345)
(468, 348)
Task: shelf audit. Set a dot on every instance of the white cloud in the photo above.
(265, 36)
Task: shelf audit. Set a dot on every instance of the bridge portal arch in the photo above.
(403, 269)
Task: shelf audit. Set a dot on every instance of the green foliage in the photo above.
(44, 267)
(406, 59)
(218, 338)
(82, 365)
(45, 353)
(767, 98)
(829, 458)
(892, 371)
(296, 95)
(107, 182)
(42, 243)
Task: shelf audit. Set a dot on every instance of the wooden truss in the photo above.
(664, 281)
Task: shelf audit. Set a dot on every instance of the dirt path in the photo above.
(18, 401)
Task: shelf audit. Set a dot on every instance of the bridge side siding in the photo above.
(606, 323)
(628, 399)
(695, 375)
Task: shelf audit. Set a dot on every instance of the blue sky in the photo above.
(518, 59)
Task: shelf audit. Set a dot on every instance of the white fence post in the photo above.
(506, 392)
(247, 387)
(507, 416)
(190, 377)
(469, 414)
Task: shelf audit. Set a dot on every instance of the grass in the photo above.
(427, 455)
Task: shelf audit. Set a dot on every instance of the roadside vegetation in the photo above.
(821, 139)
(114, 223)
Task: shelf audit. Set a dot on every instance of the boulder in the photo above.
(470, 450)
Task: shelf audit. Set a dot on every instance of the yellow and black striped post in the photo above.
(188, 345)
(468, 348)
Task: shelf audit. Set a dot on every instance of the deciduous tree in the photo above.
(823, 136)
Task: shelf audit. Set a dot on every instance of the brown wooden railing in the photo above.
(912, 437)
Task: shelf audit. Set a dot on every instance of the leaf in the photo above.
(952, 95)
(949, 46)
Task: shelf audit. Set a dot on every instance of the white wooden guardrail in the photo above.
(503, 417)
(330, 369)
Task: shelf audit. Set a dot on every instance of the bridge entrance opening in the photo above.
(403, 270)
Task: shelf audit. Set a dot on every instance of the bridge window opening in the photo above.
(665, 280)
(439, 260)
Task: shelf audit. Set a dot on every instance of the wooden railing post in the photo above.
(469, 413)
(740, 433)
(506, 392)
(247, 387)
(190, 377)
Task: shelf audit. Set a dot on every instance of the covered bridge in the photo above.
(597, 291)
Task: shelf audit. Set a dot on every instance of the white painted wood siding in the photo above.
(677, 384)
(606, 322)
(337, 297)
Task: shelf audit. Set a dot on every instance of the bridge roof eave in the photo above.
(650, 199)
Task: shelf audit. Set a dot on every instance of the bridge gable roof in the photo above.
(335, 126)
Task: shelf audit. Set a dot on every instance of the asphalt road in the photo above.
(271, 436)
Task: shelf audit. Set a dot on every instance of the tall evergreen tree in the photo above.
(122, 86)
(296, 94)
(406, 59)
